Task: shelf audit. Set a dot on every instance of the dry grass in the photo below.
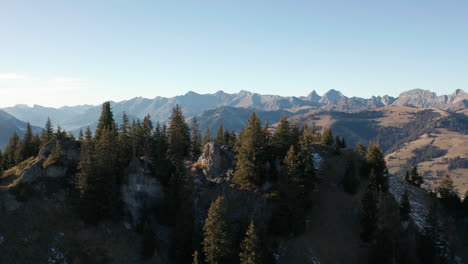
(454, 143)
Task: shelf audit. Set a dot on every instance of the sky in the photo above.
(66, 52)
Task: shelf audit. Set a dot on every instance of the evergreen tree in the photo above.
(447, 192)
(217, 242)
(232, 139)
(36, 144)
(207, 137)
(126, 150)
(179, 137)
(295, 134)
(327, 137)
(147, 136)
(414, 177)
(405, 207)
(196, 139)
(465, 203)
(26, 147)
(369, 214)
(47, 132)
(350, 179)
(80, 135)
(250, 247)
(10, 157)
(106, 120)
(85, 179)
(282, 138)
(306, 158)
(220, 135)
(251, 156)
(361, 149)
(375, 163)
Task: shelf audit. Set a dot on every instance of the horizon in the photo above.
(58, 53)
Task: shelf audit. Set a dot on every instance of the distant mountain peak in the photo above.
(332, 96)
(313, 97)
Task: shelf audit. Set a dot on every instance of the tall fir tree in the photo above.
(448, 193)
(26, 147)
(350, 179)
(207, 137)
(106, 120)
(405, 207)
(10, 156)
(361, 149)
(47, 132)
(125, 147)
(251, 156)
(220, 135)
(250, 247)
(196, 138)
(282, 138)
(178, 137)
(217, 242)
(327, 137)
(85, 179)
(375, 163)
(369, 215)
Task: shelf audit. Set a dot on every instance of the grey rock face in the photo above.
(216, 161)
(423, 99)
(140, 192)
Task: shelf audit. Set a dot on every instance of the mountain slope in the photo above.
(8, 125)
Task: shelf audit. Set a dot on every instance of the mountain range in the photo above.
(72, 118)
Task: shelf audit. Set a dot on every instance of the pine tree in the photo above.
(295, 134)
(414, 177)
(86, 178)
(369, 214)
(147, 136)
(26, 147)
(375, 163)
(361, 149)
(350, 179)
(282, 138)
(207, 137)
(250, 247)
(179, 137)
(47, 132)
(447, 192)
(126, 150)
(196, 139)
(10, 158)
(232, 139)
(405, 207)
(80, 135)
(217, 242)
(106, 120)
(306, 158)
(220, 135)
(251, 156)
(465, 203)
(327, 137)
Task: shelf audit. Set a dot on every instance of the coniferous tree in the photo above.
(465, 203)
(147, 136)
(207, 137)
(375, 163)
(196, 139)
(220, 135)
(178, 137)
(327, 137)
(80, 135)
(10, 157)
(405, 207)
(232, 139)
(414, 177)
(217, 242)
(361, 149)
(306, 158)
(26, 147)
(251, 156)
(124, 139)
(447, 192)
(47, 132)
(282, 138)
(350, 179)
(250, 247)
(36, 144)
(369, 213)
(85, 180)
(106, 120)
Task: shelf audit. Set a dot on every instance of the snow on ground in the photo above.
(417, 197)
(317, 160)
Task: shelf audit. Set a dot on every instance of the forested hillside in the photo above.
(138, 192)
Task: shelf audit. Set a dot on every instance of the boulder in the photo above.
(216, 161)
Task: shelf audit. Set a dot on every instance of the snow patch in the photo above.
(317, 160)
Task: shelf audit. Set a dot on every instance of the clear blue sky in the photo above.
(68, 52)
